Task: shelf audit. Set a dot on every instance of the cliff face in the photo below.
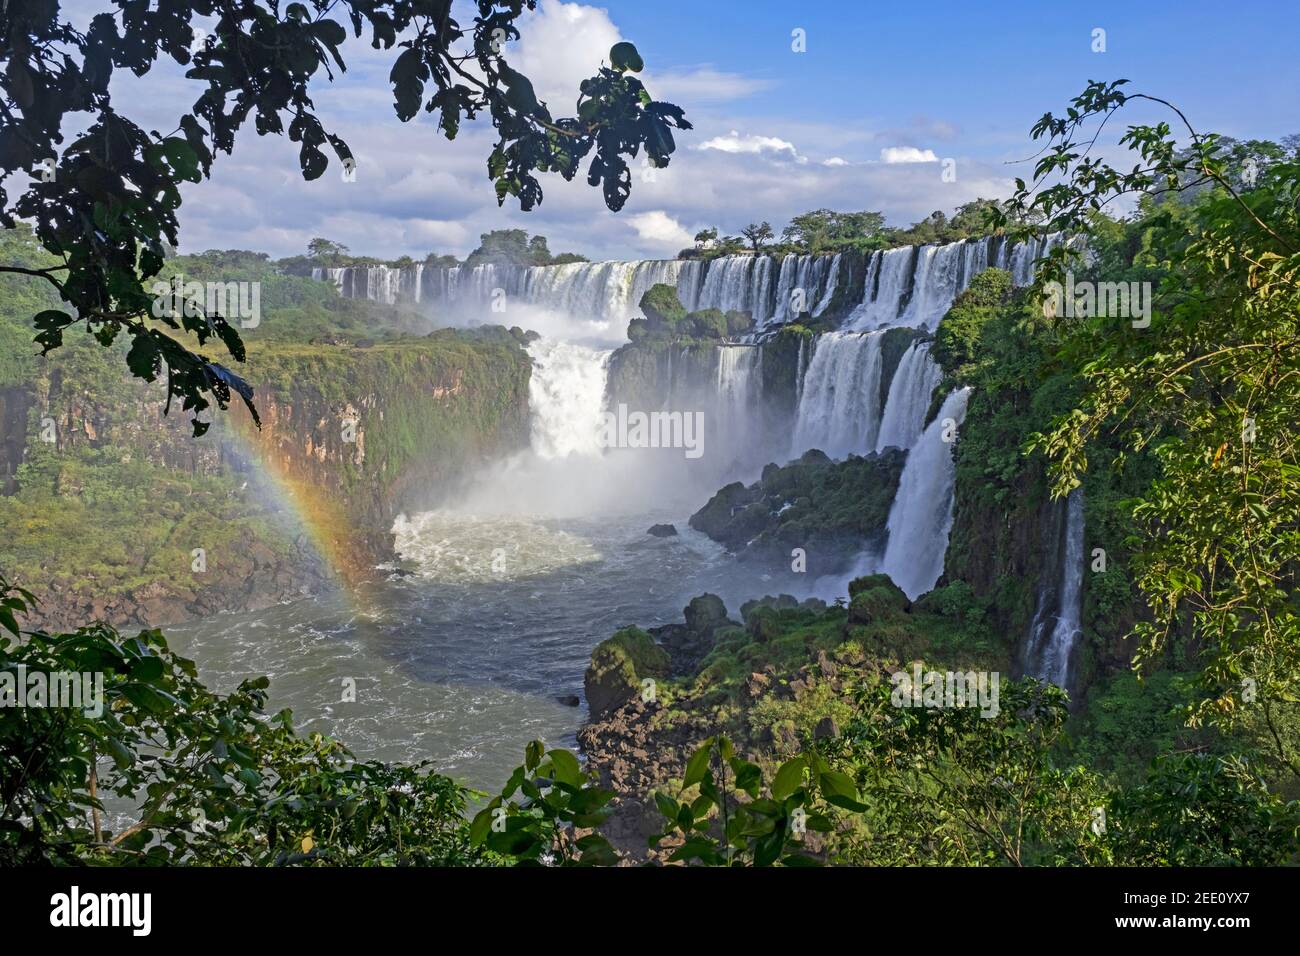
(362, 434)
(14, 404)
(118, 500)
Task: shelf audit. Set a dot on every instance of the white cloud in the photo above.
(660, 229)
(561, 45)
(753, 144)
(702, 84)
(907, 154)
(415, 192)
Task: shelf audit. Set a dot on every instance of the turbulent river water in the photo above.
(461, 668)
(481, 644)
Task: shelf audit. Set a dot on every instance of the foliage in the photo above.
(954, 785)
(716, 828)
(1210, 390)
(1197, 810)
(105, 204)
(757, 234)
(218, 780)
(556, 800)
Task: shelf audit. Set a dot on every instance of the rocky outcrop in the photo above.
(249, 578)
(830, 510)
(363, 434)
(618, 667)
(641, 745)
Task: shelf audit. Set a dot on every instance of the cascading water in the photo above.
(510, 584)
(915, 285)
(910, 391)
(566, 394)
(1056, 624)
(921, 517)
(839, 408)
(910, 285)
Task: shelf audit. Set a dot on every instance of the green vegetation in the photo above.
(831, 510)
(667, 322)
(828, 231)
(103, 516)
(105, 207)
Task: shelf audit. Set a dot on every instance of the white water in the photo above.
(839, 405)
(566, 395)
(915, 285)
(921, 517)
(1053, 636)
(910, 390)
(739, 396)
(839, 408)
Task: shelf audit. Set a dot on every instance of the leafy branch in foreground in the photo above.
(717, 828)
(1210, 390)
(105, 204)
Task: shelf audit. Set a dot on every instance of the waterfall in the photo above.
(921, 516)
(600, 291)
(888, 279)
(911, 285)
(737, 283)
(566, 397)
(1052, 635)
(839, 407)
(828, 287)
(738, 400)
(913, 384)
(915, 285)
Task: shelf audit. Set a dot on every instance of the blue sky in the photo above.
(862, 120)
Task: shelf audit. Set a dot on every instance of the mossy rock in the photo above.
(875, 597)
(705, 613)
(618, 665)
(738, 323)
(661, 306)
(706, 324)
(830, 510)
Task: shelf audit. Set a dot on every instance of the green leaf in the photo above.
(625, 58)
(698, 765)
(788, 778)
(567, 769)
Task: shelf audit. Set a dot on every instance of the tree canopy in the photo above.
(105, 203)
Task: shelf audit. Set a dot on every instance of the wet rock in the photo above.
(618, 665)
(569, 700)
(705, 613)
(826, 727)
(663, 531)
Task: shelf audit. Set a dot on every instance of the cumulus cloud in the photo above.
(907, 154)
(753, 144)
(703, 84)
(659, 228)
(561, 45)
(416, 193)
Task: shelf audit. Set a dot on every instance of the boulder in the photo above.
(618, 665)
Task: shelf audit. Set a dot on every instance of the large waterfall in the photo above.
(1056, 624)
(910, 392)
(843, 399)
(915, 285)
(566, 395)
(921, 517)
(839, 408)
(911, 285)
